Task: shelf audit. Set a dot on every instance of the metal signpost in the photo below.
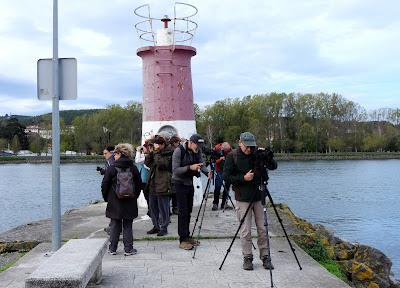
(57, 80)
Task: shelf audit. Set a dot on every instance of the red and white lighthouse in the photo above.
(167, 78)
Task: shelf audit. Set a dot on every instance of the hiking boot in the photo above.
(248, 263)
(153, 230)
(267, 264)
(193, 241)
(215, 207)
(162, 233)
(107, 230)
(131, 252)
(186, 245)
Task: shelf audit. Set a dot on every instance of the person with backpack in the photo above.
(187, 162)
(121, 188)
(159, 185)
(240, 171)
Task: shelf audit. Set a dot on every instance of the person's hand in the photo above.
(222, 158)
(195, 167)
(210, 175)
(249, 176)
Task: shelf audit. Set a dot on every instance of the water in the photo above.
(358, 200)
(25, 191)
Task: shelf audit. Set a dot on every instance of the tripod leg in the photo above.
(283, 228)
(237, 232)
(269, 247)
(201, 205)
(201, 221)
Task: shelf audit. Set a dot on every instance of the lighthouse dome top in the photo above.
(164, 31)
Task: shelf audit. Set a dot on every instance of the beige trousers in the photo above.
(245, 230)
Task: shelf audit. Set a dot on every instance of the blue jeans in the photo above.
(217, 190)
(159, 211)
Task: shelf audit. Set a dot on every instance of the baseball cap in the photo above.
(196, 138)
(248, 139)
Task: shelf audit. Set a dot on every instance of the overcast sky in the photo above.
(350, 47)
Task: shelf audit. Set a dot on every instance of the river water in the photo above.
(357, 199)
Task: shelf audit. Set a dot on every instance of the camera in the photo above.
(264, 159)
(98, 168)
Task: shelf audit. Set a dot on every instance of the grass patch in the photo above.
(11, 263)
(12, 158)
(318, 252)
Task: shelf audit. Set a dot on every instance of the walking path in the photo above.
(160, 263)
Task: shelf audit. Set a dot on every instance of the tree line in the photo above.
(288, 123)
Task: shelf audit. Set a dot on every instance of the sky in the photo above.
(349, 47)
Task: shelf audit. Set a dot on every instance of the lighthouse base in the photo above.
(182, 128)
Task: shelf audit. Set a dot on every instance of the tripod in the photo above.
(265, 191)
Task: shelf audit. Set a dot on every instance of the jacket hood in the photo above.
(124, 162)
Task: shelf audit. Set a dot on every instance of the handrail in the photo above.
(184, 35)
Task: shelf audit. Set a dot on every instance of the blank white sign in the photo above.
(67, 68)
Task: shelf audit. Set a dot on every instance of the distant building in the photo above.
(45, 133)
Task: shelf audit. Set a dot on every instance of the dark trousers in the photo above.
(159, 211)
(217, 190)
(184, 196)
(174, 201)
(146, 195)
(127, 236)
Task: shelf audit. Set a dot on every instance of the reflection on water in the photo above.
(356, 199)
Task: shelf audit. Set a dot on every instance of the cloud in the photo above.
(346, 46)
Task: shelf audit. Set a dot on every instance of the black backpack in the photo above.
(125, 188)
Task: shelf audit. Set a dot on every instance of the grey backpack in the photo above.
(125, 188)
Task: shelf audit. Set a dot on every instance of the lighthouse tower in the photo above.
(167, 80)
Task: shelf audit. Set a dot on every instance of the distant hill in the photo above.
(67, 115)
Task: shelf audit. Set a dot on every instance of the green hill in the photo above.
(67, 115)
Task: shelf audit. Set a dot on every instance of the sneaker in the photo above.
(248, 263)
(162, 233)
(267, 264)
(193, 241)
(186, 245)
(153, 230)
(112, 252)
(130, 253)
(215, 207)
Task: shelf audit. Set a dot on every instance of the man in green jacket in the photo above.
(239, 170)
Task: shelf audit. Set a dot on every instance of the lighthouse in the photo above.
(167, 79)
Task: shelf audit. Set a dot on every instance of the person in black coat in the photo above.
(121, 211)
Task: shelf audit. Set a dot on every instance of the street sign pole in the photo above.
(55, 150)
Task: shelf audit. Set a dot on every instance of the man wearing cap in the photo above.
(187, 162)
(239, 171)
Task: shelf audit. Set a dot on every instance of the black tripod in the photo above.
(265, 191)
(204, 200)
(225, 189)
